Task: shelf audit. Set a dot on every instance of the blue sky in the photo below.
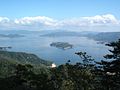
(58, 9)
(78, 15)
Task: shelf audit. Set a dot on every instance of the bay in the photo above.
(41, 47)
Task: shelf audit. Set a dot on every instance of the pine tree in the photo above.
(110, 70)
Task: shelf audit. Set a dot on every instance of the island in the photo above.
(101, 42)
(62, 45)
(11, 35)
(5, 48)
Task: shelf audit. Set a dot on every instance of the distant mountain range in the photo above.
(106, 36)
(64, 33)
(98, 36)
(11, 35)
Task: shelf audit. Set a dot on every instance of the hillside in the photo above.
(106, 36)
(23, 58)
(8, 61)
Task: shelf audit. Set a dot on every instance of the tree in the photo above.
(110, 70)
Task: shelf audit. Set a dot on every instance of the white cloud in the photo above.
(101, 20)
(92, 21)
(42, 22)
(36, 21)
(4, 20)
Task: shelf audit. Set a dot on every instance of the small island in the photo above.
(62, 45)
(101, 42)
(5, 48)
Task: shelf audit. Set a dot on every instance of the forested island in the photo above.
(62, 45)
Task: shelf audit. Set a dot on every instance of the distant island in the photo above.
(98, 36)
(62, 45)
(11, 35)
(3, 48)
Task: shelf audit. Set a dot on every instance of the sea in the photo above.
(35, 44)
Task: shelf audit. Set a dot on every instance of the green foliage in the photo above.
(75, 77)
(110, 70)
(8, 61)
(7, 68)
(25, 79)
(24, 58)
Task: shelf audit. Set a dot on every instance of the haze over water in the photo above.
(33, 43)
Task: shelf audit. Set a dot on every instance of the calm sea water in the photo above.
(41, 47)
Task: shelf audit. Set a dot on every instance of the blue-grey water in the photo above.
(41, 47)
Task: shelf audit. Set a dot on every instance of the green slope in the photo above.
(23, 58)
(9, 60)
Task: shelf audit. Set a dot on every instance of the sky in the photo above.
(78, 15)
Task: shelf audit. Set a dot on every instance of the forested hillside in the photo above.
(8, 61)
(106, 36)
